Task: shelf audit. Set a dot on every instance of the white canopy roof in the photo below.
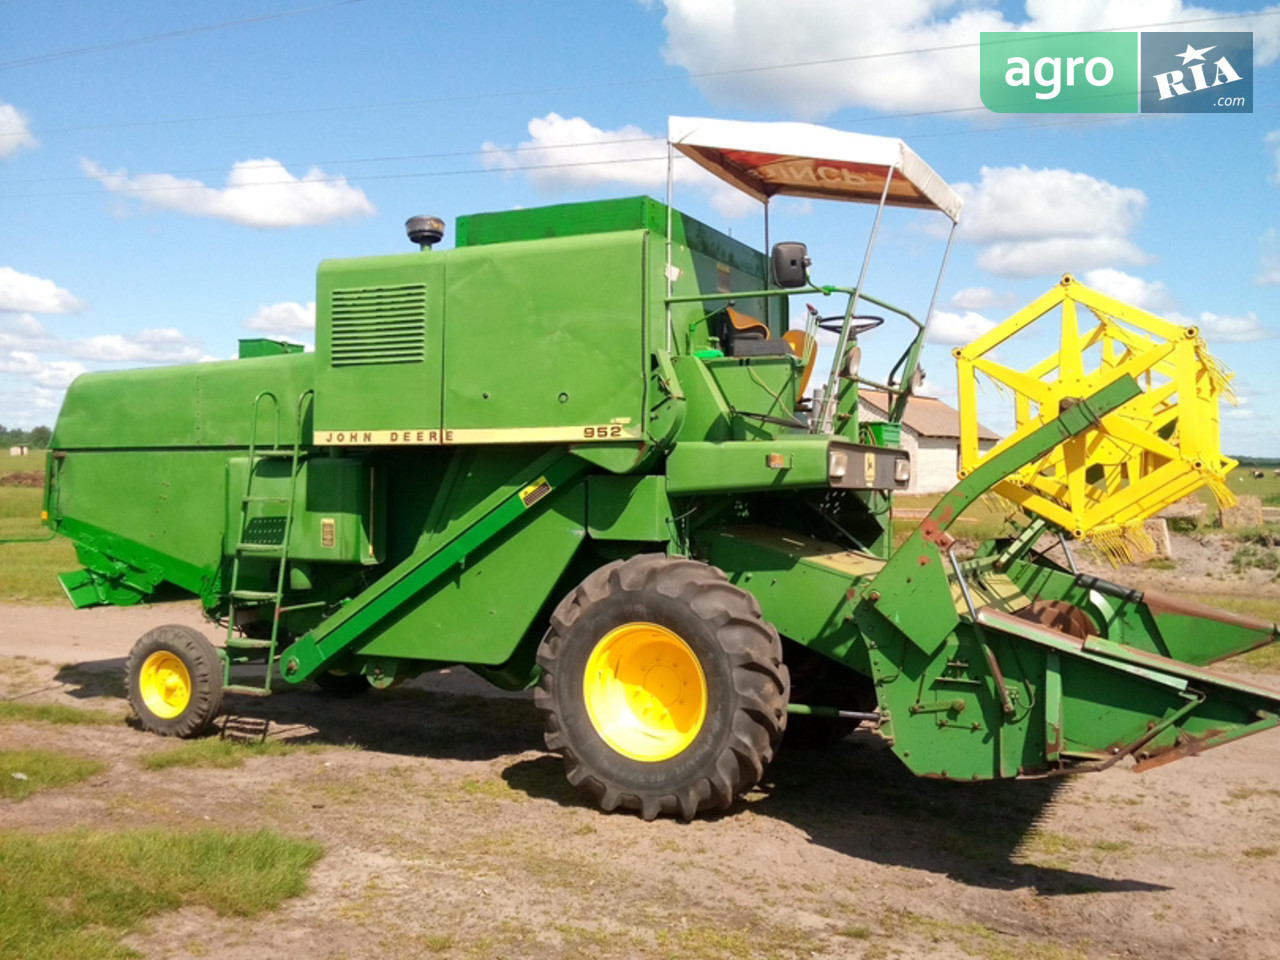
(805, 160)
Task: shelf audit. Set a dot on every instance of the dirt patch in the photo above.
(450, 832)
(23, 478)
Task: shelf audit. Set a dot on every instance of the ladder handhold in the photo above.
(253, 595)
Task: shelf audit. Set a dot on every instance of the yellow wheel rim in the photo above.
(645, 692)
(165, 684)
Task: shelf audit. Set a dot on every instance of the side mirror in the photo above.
(917, 380)
(790, 261)
(852, 361)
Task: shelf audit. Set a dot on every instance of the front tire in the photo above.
(174, 677)
(662, 687)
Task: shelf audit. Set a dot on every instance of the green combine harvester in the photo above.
(575, 453)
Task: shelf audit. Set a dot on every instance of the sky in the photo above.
(171, 174)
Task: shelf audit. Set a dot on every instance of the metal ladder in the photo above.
(239, 598)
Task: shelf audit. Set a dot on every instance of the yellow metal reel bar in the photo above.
(1157, 448)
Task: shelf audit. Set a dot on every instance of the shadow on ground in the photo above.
(854, 797)
(857, 799)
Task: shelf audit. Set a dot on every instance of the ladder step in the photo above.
(246, 690)
(248, 499)
(267, 548)
(273, 453)
(253, 595)
(246, 643)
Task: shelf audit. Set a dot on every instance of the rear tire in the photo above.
(662, 687)
(174, 678)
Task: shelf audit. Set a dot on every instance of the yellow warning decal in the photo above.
(534, 492)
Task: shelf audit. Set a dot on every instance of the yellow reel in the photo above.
(1148, 453)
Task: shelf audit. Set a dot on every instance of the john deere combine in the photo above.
(575, 452)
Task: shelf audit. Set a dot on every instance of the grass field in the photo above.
(73, 895)
(1242, 481)
(28, 571)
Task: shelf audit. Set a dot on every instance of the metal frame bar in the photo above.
(899, 409)
(827, 415)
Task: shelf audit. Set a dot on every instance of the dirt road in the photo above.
(451, 833)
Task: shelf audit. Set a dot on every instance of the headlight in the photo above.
(837, 464)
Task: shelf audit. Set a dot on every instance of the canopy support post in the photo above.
(827, 418)
(670, 199)
(899, 407)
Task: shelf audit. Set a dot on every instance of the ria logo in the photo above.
(1098, 71)
(1171, 84)
(1197, 73)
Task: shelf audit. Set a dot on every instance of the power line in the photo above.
(155, 37)
(531, 148)
(602, 85)
(426, 174)
(408, 156)
(131, 191)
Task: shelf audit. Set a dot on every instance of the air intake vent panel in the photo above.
(373, 325)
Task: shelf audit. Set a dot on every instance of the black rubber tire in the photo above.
(342, 684)
(204, 667)
(741, 659)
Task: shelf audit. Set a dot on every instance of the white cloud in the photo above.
(1018, 203)
(24, 334)
(23, 293)
(735, 38)
(15, 133)
(167, 345)
(1222, 328)
(956, 329)
(54, 374)
(931, 388)
(259, 193)
(283, 319)
(568, 153)
(981, 298)
(1145, 294)
(1036, 222)
(1058, 255)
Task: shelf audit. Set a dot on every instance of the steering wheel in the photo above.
(833, 324)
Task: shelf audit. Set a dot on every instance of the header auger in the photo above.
(573, 453)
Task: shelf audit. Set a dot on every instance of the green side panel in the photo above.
(740, 465)
(606, 216)
(170, 502)
(264, 347)
(122, 572)
(335, 518)
(487, 493)
(708, 260)
(197, 405)
(802, 585)
(918, 602)
(762, 385)
(480, 613)
(546, 334)
(628, 508)
(1157, 623)
(379, 345)
(707, 414)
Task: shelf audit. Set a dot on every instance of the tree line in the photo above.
(36, 438)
